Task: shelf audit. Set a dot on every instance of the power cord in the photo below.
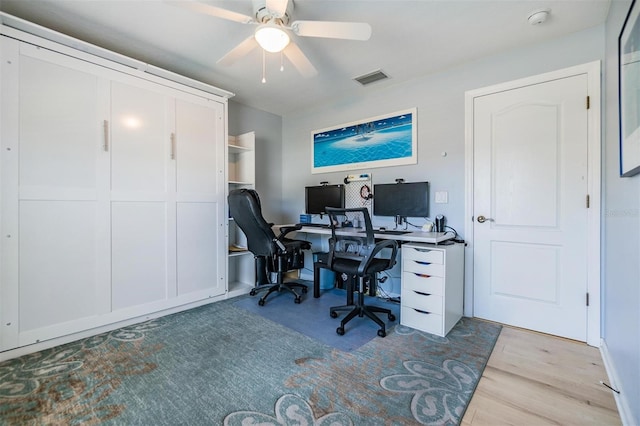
(381, 293)
(456, 238)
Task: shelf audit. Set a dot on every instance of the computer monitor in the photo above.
(401, 200)
(316, 198)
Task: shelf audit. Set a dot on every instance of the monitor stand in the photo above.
(400, 220)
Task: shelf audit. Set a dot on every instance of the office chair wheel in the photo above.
(340, 331)
(297, 300)
(381, 333)
(392, 318)
(252, 293)
(333, 314)
(261, 302)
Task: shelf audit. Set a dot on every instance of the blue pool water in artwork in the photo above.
(379, 140)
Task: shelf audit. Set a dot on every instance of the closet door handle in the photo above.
(105, 131)
(173, 146)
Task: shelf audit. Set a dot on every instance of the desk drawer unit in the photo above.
(421, 320)
(432, 287)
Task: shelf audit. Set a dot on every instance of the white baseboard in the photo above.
(621, 400)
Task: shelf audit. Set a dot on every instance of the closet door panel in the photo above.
(58, 247)
(140, 142)
(59, 130)
(198, 234)
(139, 253)
(198, 149)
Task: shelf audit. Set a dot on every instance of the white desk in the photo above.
(413, 236)
(431, 282)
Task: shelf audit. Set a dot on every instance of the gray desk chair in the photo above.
(361, 257)
(272, 254)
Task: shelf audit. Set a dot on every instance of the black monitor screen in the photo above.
(318, 197)
(401, 199)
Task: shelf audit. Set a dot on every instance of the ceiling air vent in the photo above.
(371, 77)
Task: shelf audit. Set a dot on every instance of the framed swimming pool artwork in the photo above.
(382, 141)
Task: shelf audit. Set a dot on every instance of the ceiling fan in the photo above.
(272, 33)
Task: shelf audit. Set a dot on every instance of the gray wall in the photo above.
(440, 102)
(269, 157)
(621, 242)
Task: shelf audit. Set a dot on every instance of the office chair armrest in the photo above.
(284, 230)
(280, 245)
(380, 245)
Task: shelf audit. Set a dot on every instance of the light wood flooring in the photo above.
(537, 379)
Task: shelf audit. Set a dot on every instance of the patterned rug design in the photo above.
(69, 384)
(220, 364)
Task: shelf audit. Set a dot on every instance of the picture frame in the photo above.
(381, 141)
(629, 92)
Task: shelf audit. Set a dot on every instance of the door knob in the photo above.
(482, 219)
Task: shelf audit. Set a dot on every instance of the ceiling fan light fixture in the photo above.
(271, 37)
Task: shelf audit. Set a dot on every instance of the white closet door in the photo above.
(199, 189)
(51, 207)
(140, 145)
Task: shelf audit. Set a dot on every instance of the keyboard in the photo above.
(392, 232)
(388, 232)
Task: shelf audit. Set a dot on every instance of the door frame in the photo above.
(594, 117)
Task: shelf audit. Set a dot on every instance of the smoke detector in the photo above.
(539, 16)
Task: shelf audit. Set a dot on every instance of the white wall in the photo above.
(269, 156)
(621, 242)
(440, 102)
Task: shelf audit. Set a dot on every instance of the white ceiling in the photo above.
(410, 39)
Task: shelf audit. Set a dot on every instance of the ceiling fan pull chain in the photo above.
(264, 79)
(281, 61)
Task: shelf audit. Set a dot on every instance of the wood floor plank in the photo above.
(533, 378)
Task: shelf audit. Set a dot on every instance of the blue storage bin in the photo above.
(327, 276)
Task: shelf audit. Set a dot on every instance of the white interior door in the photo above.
(530, 191)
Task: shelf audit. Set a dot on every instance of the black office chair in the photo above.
(272, 254)
(355, 255)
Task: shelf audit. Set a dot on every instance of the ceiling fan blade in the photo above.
(328, 29)
(300, 60)
(279, 7)
(239, 51)
(212, 10)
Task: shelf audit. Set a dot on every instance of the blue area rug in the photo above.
(311, 317)
(223, 364)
